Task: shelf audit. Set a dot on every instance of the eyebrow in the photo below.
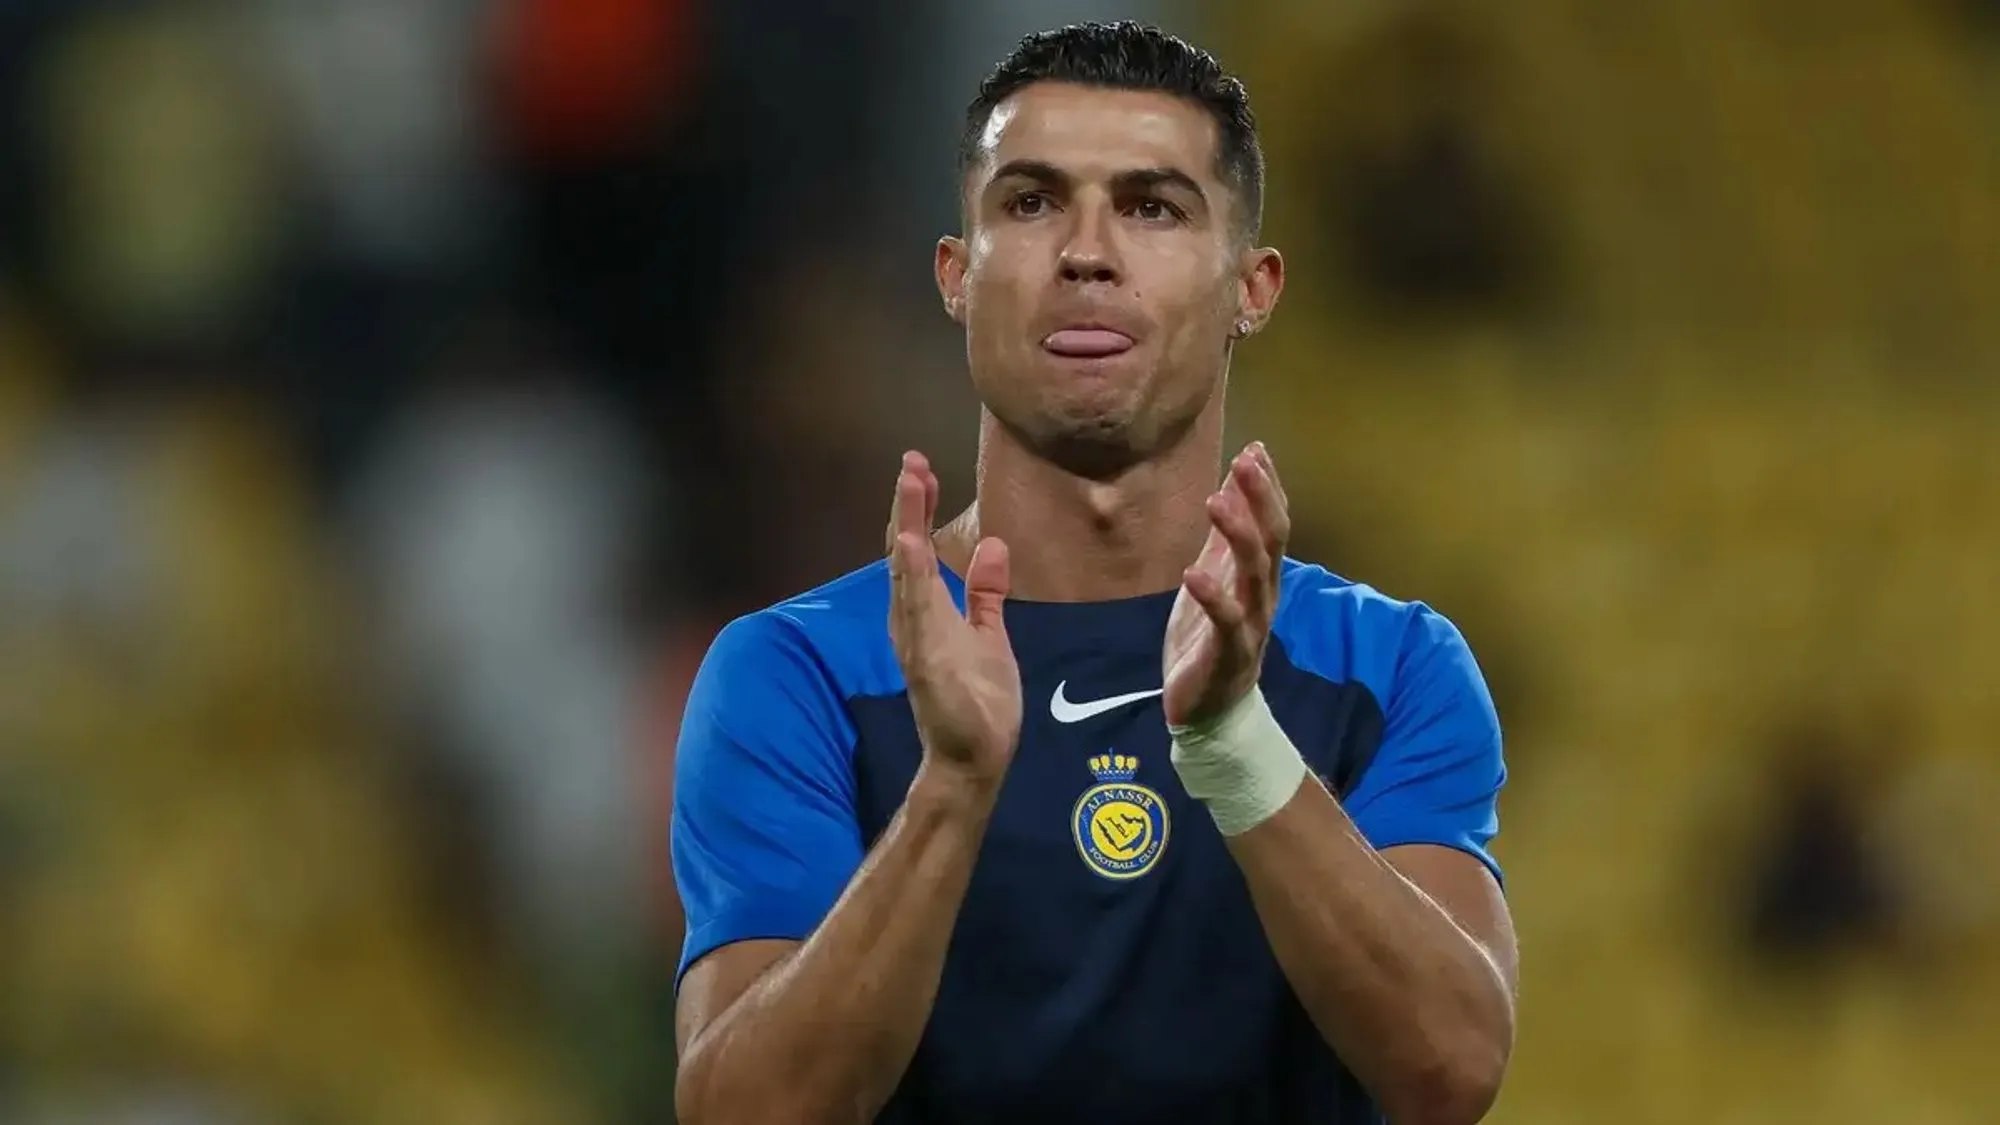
(1042, 172)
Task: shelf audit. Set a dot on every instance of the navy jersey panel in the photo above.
(1107, 959)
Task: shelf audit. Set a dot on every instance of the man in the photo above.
(1090, 805)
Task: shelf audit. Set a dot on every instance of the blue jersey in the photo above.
(1107, 963)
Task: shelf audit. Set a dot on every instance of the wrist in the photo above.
(952, 792)
(1240, 764)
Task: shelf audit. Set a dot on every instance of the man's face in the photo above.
(1101, 273)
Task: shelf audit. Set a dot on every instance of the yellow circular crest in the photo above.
(1120, 828)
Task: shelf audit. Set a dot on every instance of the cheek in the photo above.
(1182, 282)
(1191, 308)
(998, 264)
(997, 305)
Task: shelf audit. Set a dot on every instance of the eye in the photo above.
(1156, 211)
(1028, 204)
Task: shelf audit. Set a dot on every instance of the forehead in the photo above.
(1091, 132)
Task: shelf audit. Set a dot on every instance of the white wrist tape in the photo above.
(1240, 764)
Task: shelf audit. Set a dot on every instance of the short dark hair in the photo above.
(1132, 56)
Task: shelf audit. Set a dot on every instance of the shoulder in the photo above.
(1435, 775)
(1347, 631)
(836, 633)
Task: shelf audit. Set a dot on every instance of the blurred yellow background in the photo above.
(395, 395)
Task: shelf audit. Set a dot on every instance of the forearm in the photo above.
(826, 1034)
(1411, 1003)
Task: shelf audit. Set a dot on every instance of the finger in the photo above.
(1216, 600)
(911, 573)
(906, 515)
(909, 548)
(986, 584)
(1266, 505)
(1230, 512)
(917, 505)
(906, 508)
(1263, 453)
(929, 477)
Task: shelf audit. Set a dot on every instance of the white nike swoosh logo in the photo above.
(1063, 711)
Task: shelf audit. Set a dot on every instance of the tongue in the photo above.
(1087, 342)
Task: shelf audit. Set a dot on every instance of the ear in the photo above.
(1259, 281)
(950, 269)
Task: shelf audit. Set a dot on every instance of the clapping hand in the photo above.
(964, 685)
(1221, 623)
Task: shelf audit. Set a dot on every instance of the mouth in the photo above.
(1087, 341)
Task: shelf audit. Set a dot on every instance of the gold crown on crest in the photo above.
(1108, 768)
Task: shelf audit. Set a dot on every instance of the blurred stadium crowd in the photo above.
(395, 395)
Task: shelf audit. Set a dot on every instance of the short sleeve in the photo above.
(764, 834)
(1437, 775)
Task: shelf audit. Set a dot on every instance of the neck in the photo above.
(1072, 539)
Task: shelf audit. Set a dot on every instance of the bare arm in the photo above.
(822, 1031)
(1405, 959)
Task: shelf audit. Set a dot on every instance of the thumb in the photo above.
(986, 584)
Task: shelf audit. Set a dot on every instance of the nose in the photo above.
(1087, 267)
(1088, 256)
